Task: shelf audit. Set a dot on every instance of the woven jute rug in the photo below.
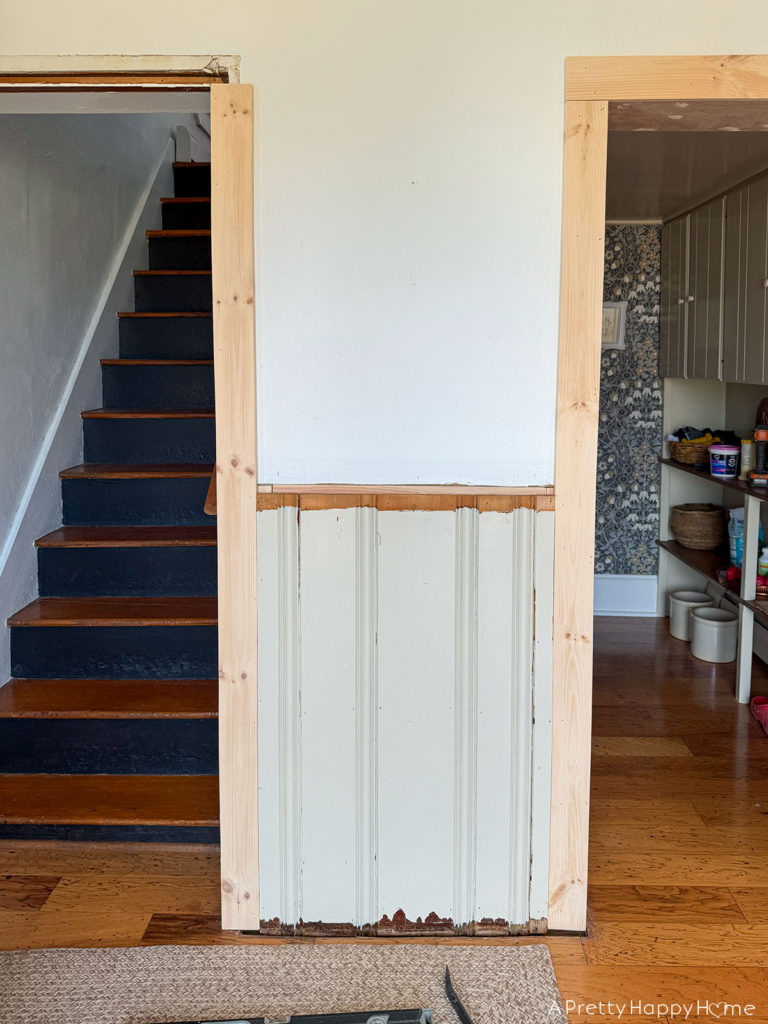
(498, 985)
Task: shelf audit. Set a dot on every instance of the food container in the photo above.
(723, 461)
(714, 634)
(681, 604)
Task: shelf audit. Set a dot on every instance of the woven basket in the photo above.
(689, 453)
(699, 527)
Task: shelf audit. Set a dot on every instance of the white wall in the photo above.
(71, 230)
(410, 190)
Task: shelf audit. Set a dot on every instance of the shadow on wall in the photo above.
(629, 438)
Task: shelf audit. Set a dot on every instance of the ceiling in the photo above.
(664, 157)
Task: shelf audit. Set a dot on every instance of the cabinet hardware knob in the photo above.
(690, 298)
(681, 302)
(765, 283)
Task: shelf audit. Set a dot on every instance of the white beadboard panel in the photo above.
(496, 603)
(328, 615)
(544, 547)
(416, 712)
(465, 718)
(521, 582)
(289, 714)
(400, 766)
(269, 716)
(366, 715)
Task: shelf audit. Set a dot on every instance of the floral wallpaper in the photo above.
(629, 438)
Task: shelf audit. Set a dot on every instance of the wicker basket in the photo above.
(689, 453)
(699, 527)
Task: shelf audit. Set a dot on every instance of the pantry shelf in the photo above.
(707, 563)
(761, 493)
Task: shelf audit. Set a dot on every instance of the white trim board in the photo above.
(625, 595)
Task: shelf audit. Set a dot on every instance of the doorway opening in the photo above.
(598, 92)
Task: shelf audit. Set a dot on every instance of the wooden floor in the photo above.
(678, 867)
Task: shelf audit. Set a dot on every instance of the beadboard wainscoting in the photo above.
(404, 716)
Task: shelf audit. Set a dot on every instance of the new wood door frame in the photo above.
(591, 84)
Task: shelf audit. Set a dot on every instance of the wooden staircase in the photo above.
(108, 729)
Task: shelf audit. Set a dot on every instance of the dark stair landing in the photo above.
(108, 730)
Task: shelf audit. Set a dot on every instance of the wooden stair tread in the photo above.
(109, 698)
(186, 199)
(156, 362)
(138, 316)
(185, 800)
(171, 273)
(148, 414)
(117, 611)
(180, 233)
(129, 537)
(140, 471)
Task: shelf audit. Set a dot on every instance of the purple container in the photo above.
(723, 461)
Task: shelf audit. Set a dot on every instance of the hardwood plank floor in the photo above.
(678, 891)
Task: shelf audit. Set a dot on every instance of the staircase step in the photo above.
(157, 383)
(144, 494)
(132, 570)
(148, 414)
(109, 746)
(109, 698)
(149, 435)
(172, 291)
(116, 611)
(118, 471)
(186, 212)
(166, 335)
(118, 652)
(183, 801)
(128, 537)
(116, 637)
(156, 362)
(179, 249)
(191, 179)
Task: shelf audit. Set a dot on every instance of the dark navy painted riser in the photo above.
(157, 387)
(111, 833)
(149, 440)
(127, 572)
(192, 181)
(170, 293)
(186, 216)
(103, 746)
(167, 337)
(166, 502)
(192, 253)
(114, 652)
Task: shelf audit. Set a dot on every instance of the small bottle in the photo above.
(747, 458)
(762, 566)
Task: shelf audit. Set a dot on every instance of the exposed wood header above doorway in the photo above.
(116, 72)
(666, 78)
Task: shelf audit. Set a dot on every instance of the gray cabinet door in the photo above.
(746, 281)
(674, 293)
(736, 211)
(704, 300)
(755, 286)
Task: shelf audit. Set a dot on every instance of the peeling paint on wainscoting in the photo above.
(400, 785)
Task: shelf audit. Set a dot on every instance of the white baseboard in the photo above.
(625, 595)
